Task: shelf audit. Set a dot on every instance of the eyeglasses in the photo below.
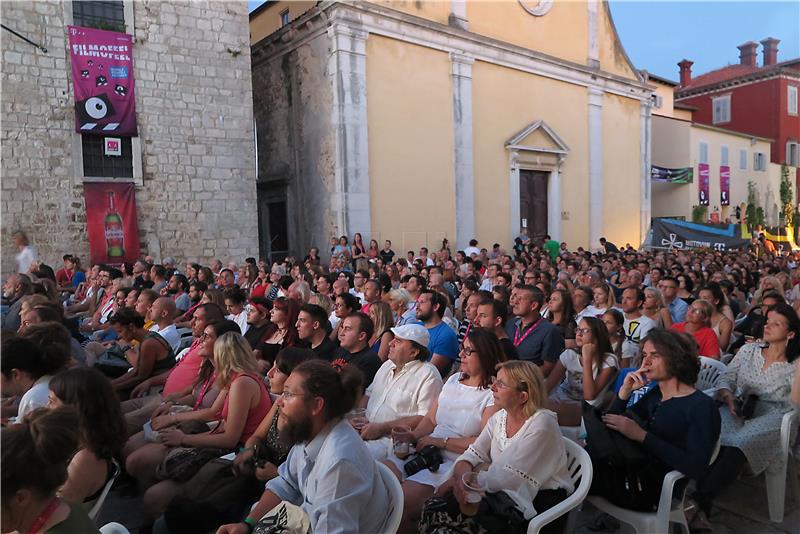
(288, 395)
(495, 382)
(466, 351)
(583, 331)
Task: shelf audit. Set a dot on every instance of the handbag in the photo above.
(182, 463)
(285, 518)
(745, 405)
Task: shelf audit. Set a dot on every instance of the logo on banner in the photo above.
(672, 242)
(112, 146)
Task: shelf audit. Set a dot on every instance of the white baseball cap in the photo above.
(412, 332)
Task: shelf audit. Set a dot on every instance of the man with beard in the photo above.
(196, 291)
(372, 294)
(443, 344)
(312, 328)
(178, 288)
(257, 320)
(492, 316)
(354, 349)
(16, 287)
(329, 473)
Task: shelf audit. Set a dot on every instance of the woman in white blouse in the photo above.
(453, 422)
(527, 462)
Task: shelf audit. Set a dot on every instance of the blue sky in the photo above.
(657, 34)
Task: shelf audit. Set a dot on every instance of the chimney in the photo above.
(770, 45)
(686, 72)
(747, 53)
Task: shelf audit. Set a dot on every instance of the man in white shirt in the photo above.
(488, 279)
(359, 279)
(329, 473)
(403, 389)
(472, 249)
(235, 299)
(162, 313)
(636, 325)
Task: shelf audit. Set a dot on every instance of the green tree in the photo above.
(787, 195)
(754, 213)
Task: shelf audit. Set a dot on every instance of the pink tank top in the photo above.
(255, 415)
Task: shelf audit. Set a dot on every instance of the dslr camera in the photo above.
(428, 457)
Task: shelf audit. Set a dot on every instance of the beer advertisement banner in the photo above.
(111, 222)
(102, 77)
(725, 185)
(683, 175)
(703, 171)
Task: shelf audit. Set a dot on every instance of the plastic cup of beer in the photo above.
(474, 493)
(358, 418)
(400, 444)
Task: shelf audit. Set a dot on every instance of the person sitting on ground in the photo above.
(403, 390)
(101, 427)
(311, 326)
(26, 369)
(527, 462)
(698, 321)
(354, 336)
(453, 422)
(35, 455)
(381, 315)
(345, 487)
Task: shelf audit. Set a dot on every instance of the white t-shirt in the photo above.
(36, 397)
(635, 331)
(469, 251)
(572, 385)
(24, 259)
(170, 335)
(240, 319)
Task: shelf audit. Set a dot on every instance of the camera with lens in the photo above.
(428, 457)
(261, 455)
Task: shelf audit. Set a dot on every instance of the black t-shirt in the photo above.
(386, 257)
(254, 335)
(326, 350)
(509, 349)
(366, 360)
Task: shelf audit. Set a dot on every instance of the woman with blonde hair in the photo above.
(526, 457)
(323, 301)
(604, 298)
(655, 308)
(381, 314)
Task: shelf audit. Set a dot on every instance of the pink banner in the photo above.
(102, 76)
(725, 185)
(703, 172)
(111, 222)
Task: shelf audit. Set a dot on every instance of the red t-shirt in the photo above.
(706, 339)
(185, 371)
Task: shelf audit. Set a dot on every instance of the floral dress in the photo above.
(759, 436)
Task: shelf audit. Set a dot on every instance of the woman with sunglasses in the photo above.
(526, 458)
(453, 422)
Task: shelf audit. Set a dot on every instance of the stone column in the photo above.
(595, 167)
(646, 157)
(461, 73)
(554, 202)
(458, 14)
(350, 201)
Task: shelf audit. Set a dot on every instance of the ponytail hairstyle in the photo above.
(36, 453)
(339, 390)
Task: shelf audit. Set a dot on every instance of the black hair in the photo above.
(287, 359)
(365, 324)
(182, 281)
(54, 341)
(437, 299)
(316, 312)
(23, 354)
(338, 389)
(235, 295)
(199, 286)
(127, 317)
(793, 345)
(352, 302)
(679, 351)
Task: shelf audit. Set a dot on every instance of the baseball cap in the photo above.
(412, 332)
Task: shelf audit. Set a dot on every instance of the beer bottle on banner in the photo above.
(115, 237)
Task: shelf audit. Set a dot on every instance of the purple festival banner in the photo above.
(102, 76)
(724, 185)
(702, 169)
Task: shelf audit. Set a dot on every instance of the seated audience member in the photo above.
(562, 314)
(258, 313)
(527, 462)
(35, 456)
(281, 334)
(582, 298)
(492, 315)
(242, 404)
(344, 305)
(676, 425)
(15, 288)
(27, 366)
(101, 428)
(235, 300)
(214, 296)
(311, 329)
(217, 495)
(655, 308)
(162, 313)
(536, 339)
(52, 315)
(770, 373)
(403, 390)
(400, 301)
(474, 300)
(380, 313)
(582, 373)
(443, 345)
(615, 322)
(154, 356)
(720, 323)
(453, 422)
(354, 334)
(196, 292)
(178, 289)
(698, 321)
(344, 488)
(604, 298)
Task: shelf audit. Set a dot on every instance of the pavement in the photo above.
(740, 510)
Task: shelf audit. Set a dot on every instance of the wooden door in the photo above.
(533, 203)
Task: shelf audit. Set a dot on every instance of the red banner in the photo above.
(724, 185)
(111, 222)
(703, 183)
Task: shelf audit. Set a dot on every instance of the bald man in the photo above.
(162, 313)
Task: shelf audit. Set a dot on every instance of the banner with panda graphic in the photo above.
(102, 76)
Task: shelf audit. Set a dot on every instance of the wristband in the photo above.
(251, 523)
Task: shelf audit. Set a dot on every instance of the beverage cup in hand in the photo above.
(400, 441)
(474, 493)
(358, 418)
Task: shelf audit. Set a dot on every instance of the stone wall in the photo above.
(197, 199)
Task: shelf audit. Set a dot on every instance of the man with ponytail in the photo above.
(329, 473)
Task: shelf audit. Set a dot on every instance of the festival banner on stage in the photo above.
(684, 175)
(102, 77)
(674, 234)
(724, 185)
(703, 171)
(111, 222)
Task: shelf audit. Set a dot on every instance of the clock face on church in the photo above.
(537, 8)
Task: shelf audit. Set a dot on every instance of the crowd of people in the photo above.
(226, 393)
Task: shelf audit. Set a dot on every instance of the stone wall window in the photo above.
(97, 164)
(102, 15)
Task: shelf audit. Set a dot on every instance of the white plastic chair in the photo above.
(669, 510)
(711, 372)
(776, 477)
(113, 528)
(97, 504)
(579, 465)
(396, 493)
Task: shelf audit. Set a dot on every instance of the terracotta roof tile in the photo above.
(731, 72)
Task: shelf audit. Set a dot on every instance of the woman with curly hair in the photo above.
(100, 424)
